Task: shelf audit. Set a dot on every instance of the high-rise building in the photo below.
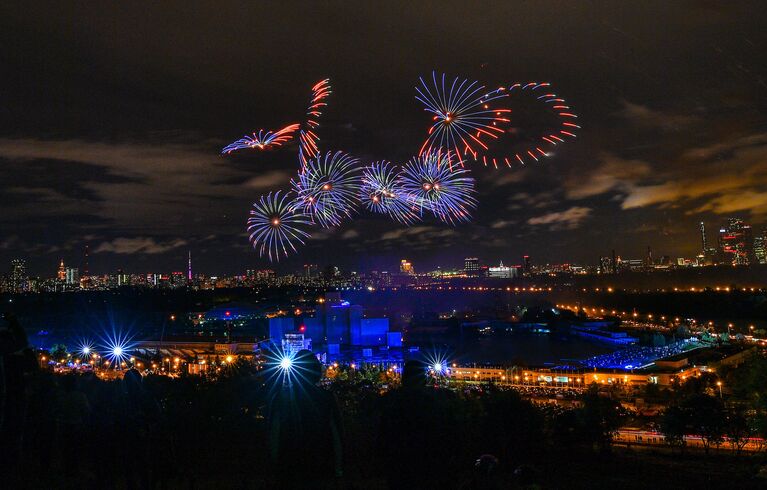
(760, 248)
(709, 255)
(18, 281)
(311, 271)
(471, 266)
(62, 273)
(72, 276)
(406, 267)
(526, 264)
(736, 243)
(648, 261)
(123, 279)
(606, 265)
(189, 267)
(178, 279)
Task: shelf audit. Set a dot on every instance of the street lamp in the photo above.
(719, 384)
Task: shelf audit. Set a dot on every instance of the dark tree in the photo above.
(600, 418)
(708, 418)
(739, 428)
(673, 425)
(59, 352)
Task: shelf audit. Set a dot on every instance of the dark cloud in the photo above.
(568, 219)
(135, 245)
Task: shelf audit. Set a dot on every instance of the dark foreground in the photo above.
(78, 431)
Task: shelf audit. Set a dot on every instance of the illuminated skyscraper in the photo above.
(18, 281)
(471, 266)
(62, 274)
(72, 276)
(736, 243)
(311, 271)
(406, 267)
(760, 248)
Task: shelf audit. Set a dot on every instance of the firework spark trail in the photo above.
(566, 126)
(466, 122)
(263, 139)
(307, 139)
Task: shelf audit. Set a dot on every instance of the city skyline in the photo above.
(722, 245)
(736, 245)
(122, 155)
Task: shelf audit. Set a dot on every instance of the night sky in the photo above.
(112, 116)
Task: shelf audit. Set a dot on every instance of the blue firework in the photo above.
(432, 184)
(275, 225)
(462, 115)
(327, 188)
(382, 193)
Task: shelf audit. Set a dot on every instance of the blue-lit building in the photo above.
(335, 324)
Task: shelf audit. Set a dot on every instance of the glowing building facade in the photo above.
(736, 243)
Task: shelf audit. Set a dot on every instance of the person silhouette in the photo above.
(304, 425)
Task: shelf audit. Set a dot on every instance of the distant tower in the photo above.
(84, 278)
(85, 266)
(703, 237)
(62, 274)
(189, 267)
(615, 264)
(406, 267)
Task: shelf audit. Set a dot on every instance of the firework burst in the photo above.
(327, 188)
(381, 193)
(275, 225)
(263, 139)
(432, 184)
(461, 113)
